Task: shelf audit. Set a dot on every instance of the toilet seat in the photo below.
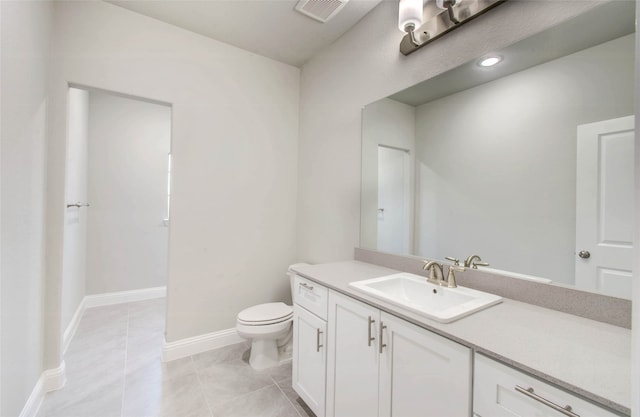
(265, 314)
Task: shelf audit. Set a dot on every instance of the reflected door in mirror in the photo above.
(604, 206)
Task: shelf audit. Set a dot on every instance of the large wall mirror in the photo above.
(527, 163)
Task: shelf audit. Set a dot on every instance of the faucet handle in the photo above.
(477, 264)
(455, 261)
(451, 278)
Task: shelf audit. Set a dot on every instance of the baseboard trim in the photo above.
(110, 298)
(54, 379)
(198, 344)
(50, 380)
(70, 331)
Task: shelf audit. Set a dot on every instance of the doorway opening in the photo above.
(116, 221)
(394, 200)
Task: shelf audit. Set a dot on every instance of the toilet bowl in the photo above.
(269, 326)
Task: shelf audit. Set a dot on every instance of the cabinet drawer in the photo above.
(311, 296)
(495, 394)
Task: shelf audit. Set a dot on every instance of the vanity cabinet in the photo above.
(352, 360)
(379, 365)
(309, 343)
(501, 391)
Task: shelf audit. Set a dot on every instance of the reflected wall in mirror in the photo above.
(526, 163)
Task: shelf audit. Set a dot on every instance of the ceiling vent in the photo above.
(320, 10)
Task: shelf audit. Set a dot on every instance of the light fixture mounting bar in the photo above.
(441, 22)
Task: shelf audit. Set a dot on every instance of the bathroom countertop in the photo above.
(587, 357)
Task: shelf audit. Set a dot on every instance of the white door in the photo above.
(422, 374)
(76, 213)
(352, 361)
(309, 358)
(604, 206)
(394, 200)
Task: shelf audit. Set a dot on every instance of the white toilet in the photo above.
(270, 328)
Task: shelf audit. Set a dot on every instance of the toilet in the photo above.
(269, 326)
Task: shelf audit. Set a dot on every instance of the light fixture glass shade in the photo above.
(409, 12)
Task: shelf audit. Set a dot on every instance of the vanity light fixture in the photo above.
(490, 61)
(424, 22)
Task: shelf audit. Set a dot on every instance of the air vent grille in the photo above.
(320, 10)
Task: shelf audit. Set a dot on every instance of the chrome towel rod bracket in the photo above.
(78, 205)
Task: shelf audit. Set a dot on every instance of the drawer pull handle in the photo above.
(371, 338)
(382, 345)
(307, 286)
(529, 392)
(318, 345)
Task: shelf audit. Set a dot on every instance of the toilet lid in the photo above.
(264, 313)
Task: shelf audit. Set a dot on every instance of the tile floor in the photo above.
(114, 370)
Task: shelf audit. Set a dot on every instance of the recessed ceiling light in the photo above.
(490, 61)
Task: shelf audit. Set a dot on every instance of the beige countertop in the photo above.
(587, 357)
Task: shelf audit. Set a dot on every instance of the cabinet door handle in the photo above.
(382, 345)
(371, 338)
(318, 345)
(529, 392)
(307, 286)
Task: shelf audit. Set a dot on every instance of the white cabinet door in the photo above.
(421, 373)
(309, 358)
(352, 361)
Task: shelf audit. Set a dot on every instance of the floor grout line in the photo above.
(287, 397)
(201, 386)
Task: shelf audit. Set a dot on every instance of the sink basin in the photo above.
(414, 293)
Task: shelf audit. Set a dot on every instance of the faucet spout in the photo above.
(436, 276)
(469, 261)
(473, 261)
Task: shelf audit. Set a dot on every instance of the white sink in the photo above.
(414, 293)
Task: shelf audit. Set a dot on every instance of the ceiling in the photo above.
(270, 28)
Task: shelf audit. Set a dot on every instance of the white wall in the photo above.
(75, 228)
(635, 351)
(504, 171)
(25, 29)
(385, 122)
(363, 66)
(129, 141)
(234, 147)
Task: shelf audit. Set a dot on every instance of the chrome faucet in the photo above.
(473, 261)
(436, 276)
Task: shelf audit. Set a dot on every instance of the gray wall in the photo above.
(25, 64)
(505, 170)
(127, 243)
(232, 232)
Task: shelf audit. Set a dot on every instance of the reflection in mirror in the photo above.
(528, 163)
